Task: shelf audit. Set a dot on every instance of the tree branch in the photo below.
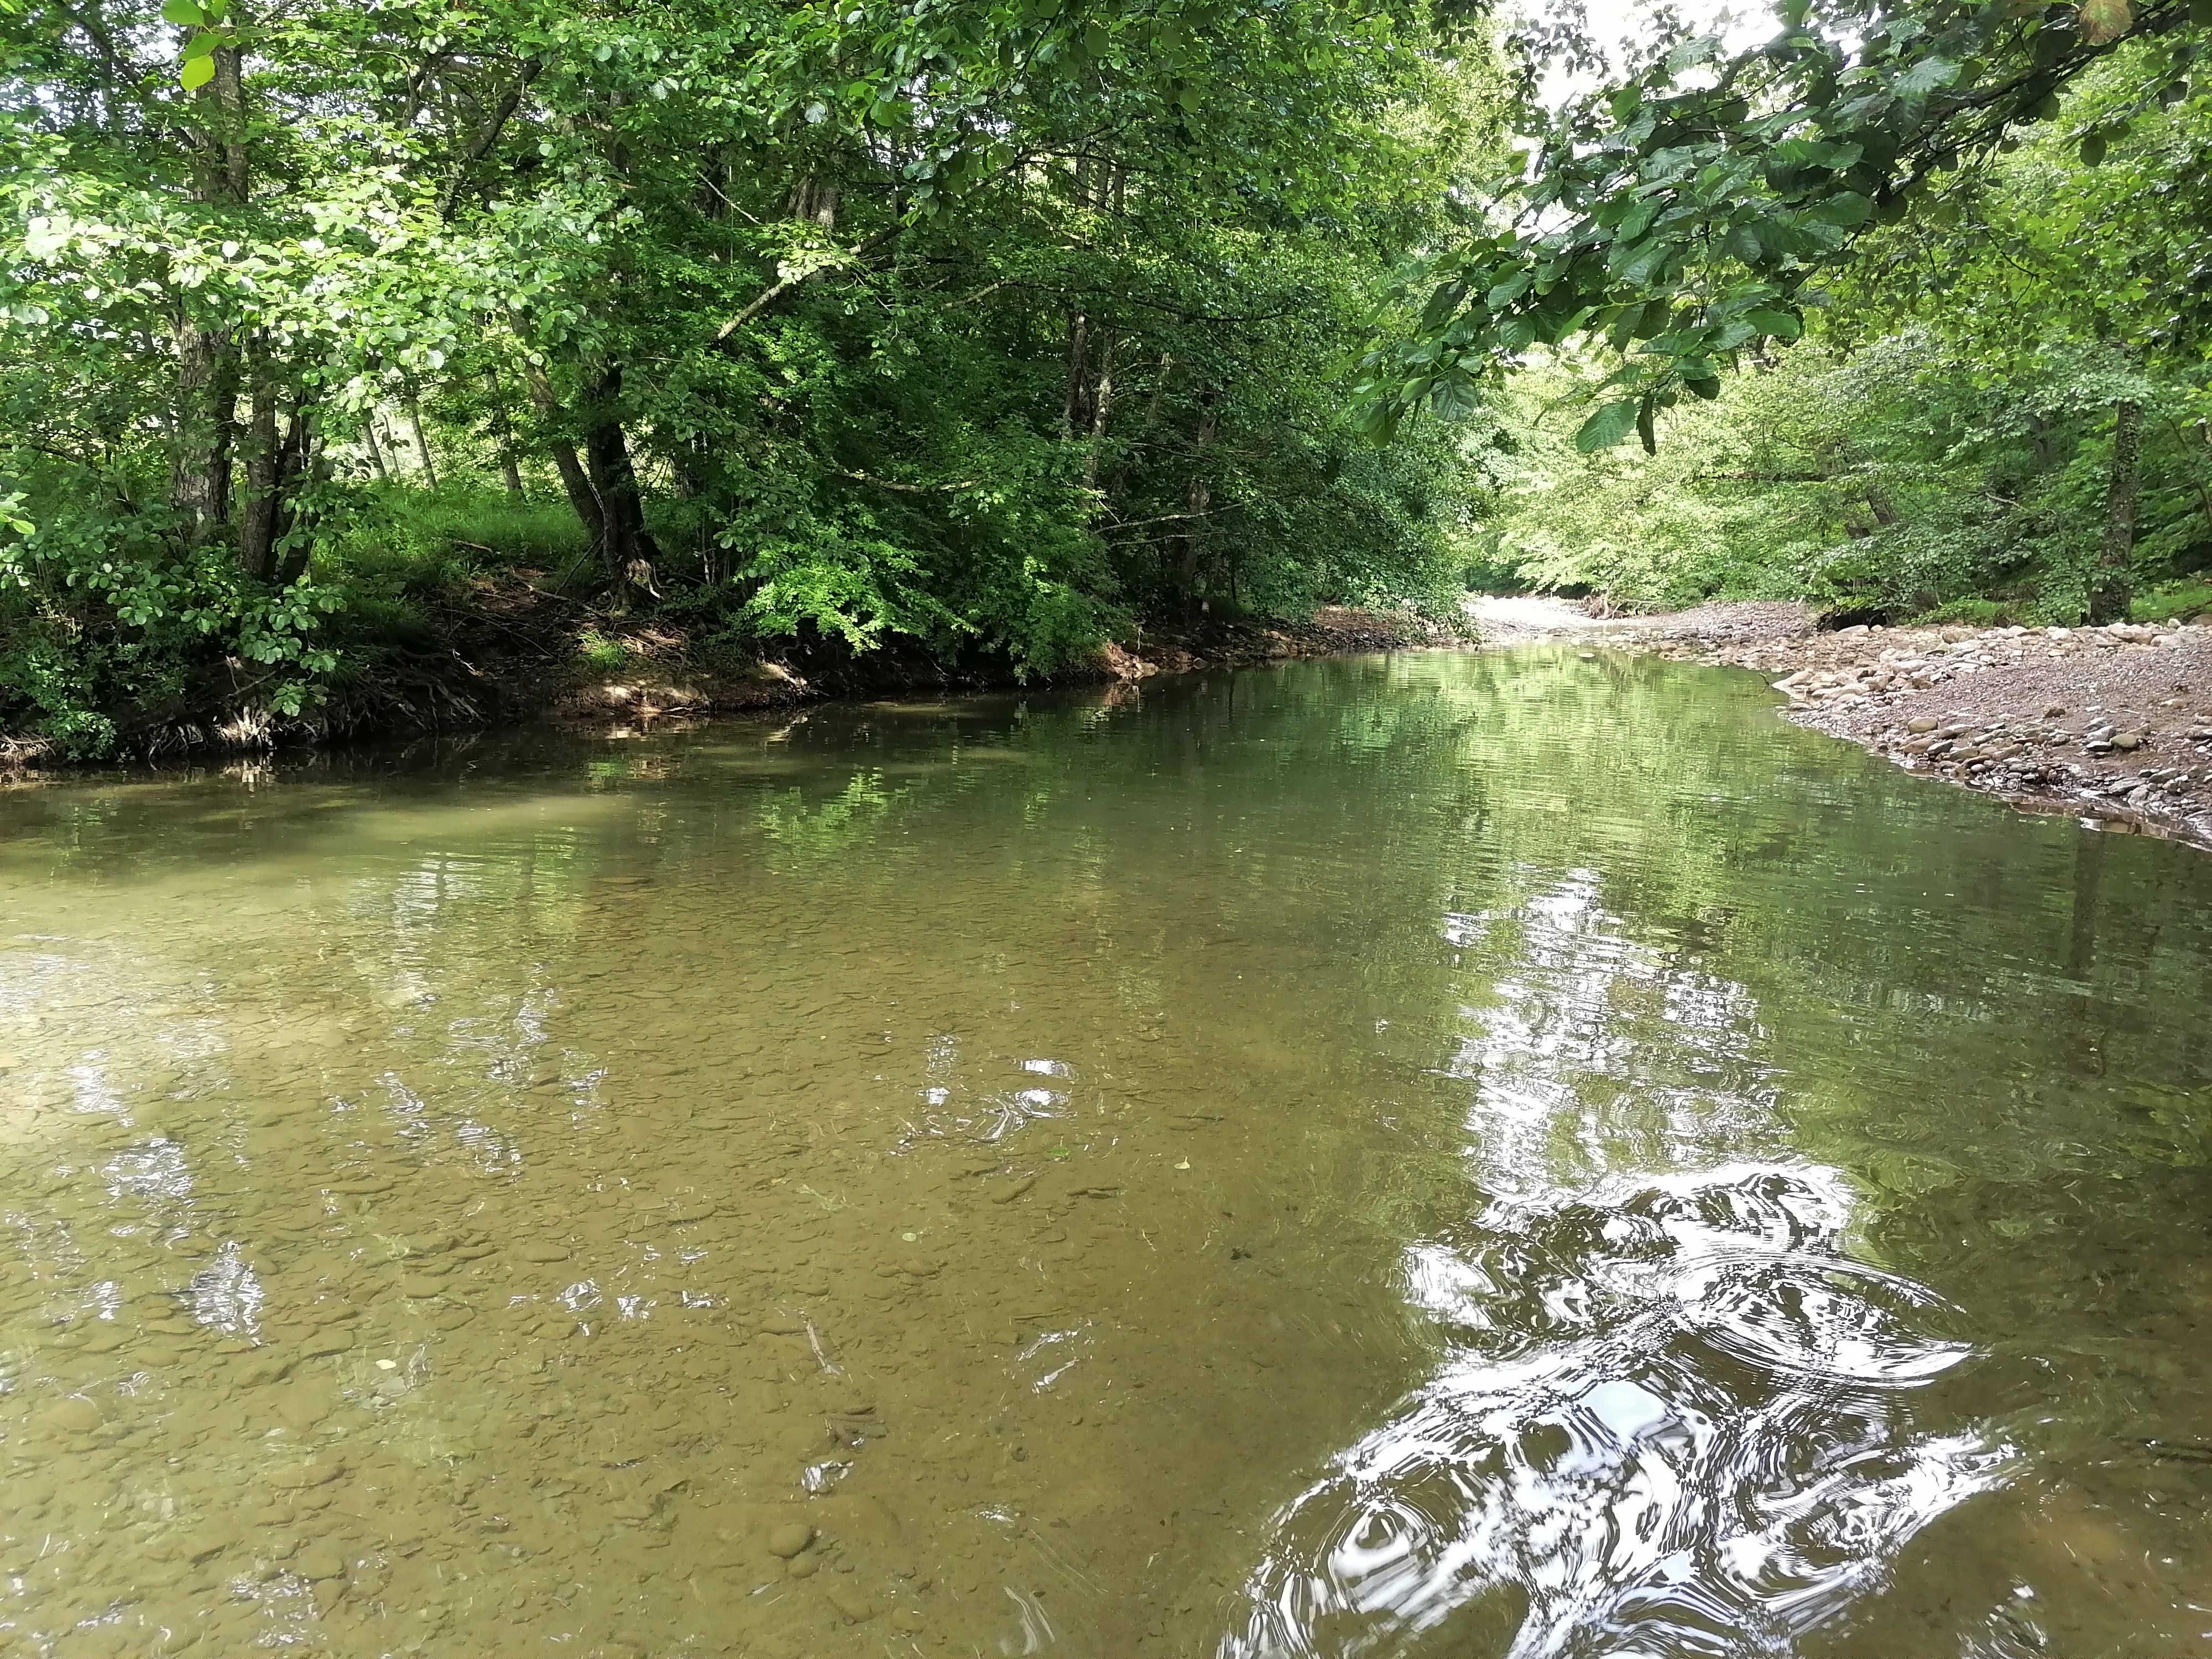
(450, 196)
(787, 285)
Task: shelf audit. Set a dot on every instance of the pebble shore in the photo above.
(2112, 724)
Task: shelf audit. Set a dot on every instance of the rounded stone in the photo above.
(788, 1540)
(75, 1415)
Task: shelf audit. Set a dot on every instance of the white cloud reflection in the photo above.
(1676, 1417)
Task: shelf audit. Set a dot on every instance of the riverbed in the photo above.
(1516, 1154)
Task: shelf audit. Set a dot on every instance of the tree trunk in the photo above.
(311, 464)
(264, 470)
(1071, 418)
(626, 546)
(304, 461)
(573, 479)
(207, 427)
(422, 443)
(207, 359)
(1198, 499)
(1101, 406)
(2115, 586)
(375, 449)
(815, 197)
(502, 431)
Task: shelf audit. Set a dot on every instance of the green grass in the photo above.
(421, 540)
(1972, 613)
(2172, 601)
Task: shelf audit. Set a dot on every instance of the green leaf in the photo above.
(1845, 207)
(184, 14)
(1932, 74)
(1505, 292)
(1608, 425)
(2092, 150)
(1647, 428)
(1442, 305)
(1644, 264)
(1454, 397)
(1780, 324)
(1706, 387)
(196, 73)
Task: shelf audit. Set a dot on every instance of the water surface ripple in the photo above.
(1516, 1155)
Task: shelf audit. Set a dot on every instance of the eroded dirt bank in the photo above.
(2111, 723)
(514, 653)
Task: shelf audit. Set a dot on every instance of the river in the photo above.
(1509, 1154)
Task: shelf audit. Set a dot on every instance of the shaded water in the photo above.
(1502, 1155)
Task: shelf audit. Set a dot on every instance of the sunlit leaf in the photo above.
(1607, 425)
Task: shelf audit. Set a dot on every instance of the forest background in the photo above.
(337, 340)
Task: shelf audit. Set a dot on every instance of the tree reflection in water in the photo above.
(1676, 1417)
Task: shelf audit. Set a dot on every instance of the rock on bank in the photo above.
(2111, 723)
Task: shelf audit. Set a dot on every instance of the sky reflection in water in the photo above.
(1675, 1415)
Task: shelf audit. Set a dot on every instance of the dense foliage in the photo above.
(1004, 328)
(1001, 326)
(1987, 227)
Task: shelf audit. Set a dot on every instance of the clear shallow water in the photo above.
(1505, 1155)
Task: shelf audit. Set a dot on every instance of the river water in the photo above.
(1521, 1154)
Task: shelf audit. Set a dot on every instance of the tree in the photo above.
(1681, 212)
(830, 323)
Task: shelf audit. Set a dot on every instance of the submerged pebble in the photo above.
(789, 1538)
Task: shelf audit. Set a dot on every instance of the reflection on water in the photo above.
(1674, 1415)
(1502, 1156)
(1711, 1451)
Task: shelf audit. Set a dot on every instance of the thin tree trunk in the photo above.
(207, 359)
(207, 428)
(2204, 496)
(503, 433)
(2114, 592)
(1198, 499)
(574, 480)
(375, 449)
(257, 527)
(1101, 406)
(306, 460)
(1072, 419)
(626, 545)
(422, 443)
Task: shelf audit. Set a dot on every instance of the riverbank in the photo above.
(509, 653)
(2113, 723)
